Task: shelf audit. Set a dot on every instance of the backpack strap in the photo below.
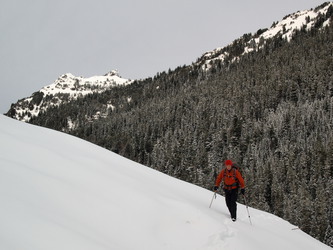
(234, 176)
(233, 173)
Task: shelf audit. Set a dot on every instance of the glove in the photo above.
(216, 188)
(243, 191)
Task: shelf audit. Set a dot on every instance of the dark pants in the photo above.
(230, 199)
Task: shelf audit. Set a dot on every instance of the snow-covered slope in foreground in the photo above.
(59, 192)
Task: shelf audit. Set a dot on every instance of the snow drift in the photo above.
(60, 192)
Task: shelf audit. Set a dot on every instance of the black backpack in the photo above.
(235, 166)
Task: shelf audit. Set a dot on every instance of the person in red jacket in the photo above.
(232, 180)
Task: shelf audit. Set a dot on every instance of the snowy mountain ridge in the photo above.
(66, 88)
(286, 28)
(72, 85)
(71, 194)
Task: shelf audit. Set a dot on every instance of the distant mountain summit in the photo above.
(66, 88)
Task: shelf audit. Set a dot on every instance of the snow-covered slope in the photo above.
(286, 28)
(59, 192)
(66, 88)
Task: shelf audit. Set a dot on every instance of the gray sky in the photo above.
(43, 39)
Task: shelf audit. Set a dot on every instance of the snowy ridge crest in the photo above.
(286, 28)
(72, 85)
(66, 88)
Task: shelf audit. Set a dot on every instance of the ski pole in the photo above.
(247, 208)
(214, 195)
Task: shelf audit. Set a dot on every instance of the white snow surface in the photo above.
(60, 192)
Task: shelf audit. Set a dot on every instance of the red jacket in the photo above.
(232, 179)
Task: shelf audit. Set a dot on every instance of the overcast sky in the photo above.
(43, 39)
